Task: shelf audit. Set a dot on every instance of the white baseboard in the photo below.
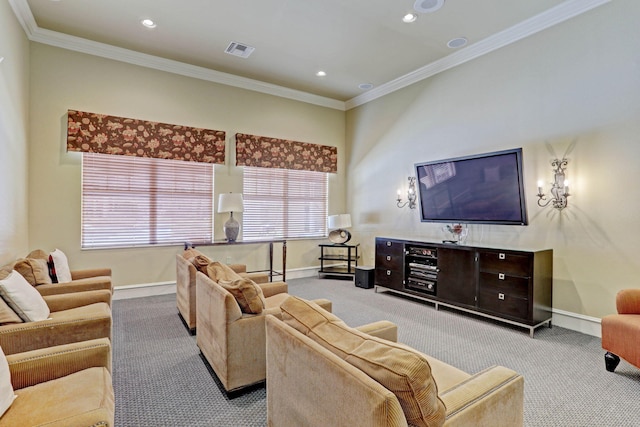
(577, 322)
(163, 288)
(564, 319)
(144, 290)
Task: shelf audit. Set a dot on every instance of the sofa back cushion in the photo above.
(7, 315)
(34, 270)
(400, 369)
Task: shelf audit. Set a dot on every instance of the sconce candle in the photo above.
(559, 187)
(411, 195)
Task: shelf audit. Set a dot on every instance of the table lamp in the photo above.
(231, 202)
(338, 223)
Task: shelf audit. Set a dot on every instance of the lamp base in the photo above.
(231, 229)
(339, 236)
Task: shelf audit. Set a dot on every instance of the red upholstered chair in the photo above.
(621, 332)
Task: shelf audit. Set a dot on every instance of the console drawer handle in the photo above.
(388, 257)
(501, 296)
(501, 276)
(388, 272)
(388, 243)
(501, 256)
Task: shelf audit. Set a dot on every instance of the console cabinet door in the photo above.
(389, 264)
(457, 276)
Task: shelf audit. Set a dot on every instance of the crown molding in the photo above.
(533, 25)
(558, 14)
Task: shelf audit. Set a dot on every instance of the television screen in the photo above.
(485, 188)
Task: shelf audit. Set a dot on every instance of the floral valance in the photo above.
(99, 133)
(266, 152)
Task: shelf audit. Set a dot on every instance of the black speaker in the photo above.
(364, 277)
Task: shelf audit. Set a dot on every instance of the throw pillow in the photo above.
(34, 270)
(23, 298)
(399, 368)
(247, 294)
(190, 253)
(38, 254)
(200, 262)
(7, 315)
(218, 271)
(61, 269)
(6, 389)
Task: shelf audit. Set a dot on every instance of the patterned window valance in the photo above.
(265, 152)
(99, 133)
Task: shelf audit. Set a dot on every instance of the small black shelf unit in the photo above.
(343, 260)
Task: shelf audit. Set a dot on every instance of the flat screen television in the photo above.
(485, 188)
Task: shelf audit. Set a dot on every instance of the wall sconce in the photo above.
(559, 187)
(411, 195)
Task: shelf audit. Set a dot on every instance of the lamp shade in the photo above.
(339, 221)
(230, 202)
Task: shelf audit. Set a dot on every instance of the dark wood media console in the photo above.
(511, 286)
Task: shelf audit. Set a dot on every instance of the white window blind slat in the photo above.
(284, 203)
(132, 201)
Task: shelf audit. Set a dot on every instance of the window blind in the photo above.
(283, 203)
(131, 201)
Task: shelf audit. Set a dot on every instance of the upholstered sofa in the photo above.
(64, 386)
(73, 317)
(233, 341)
(320, 372)
(621, 332)
(186, 270)
(82, 280)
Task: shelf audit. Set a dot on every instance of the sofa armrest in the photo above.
(63, 327)
(38, 366)
(273, 288)
(257, 276)
(493, 397)
(628, 301)
(79, 285)
(92, 272)
(76, 299)
(381, 329)
(238, 268)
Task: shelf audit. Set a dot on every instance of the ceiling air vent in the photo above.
(239, 49)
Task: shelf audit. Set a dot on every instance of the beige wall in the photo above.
(573, 89)
(14, 113)
(63, 80)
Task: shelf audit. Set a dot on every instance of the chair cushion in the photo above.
(399, 368)
(23, 298)
(82, 398)
(34, 270)
(7, 315)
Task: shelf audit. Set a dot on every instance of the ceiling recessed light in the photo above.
(409, 17)
(148, 23)
(321, 73)
(457, 42)
(365, 86)
(427, 6)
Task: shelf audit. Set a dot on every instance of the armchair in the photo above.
(621, 332)
(360, 380)
(68, 385)
(186, 283)
(233, 342)
(74, 317)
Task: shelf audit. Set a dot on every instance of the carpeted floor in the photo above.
(160, 379)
